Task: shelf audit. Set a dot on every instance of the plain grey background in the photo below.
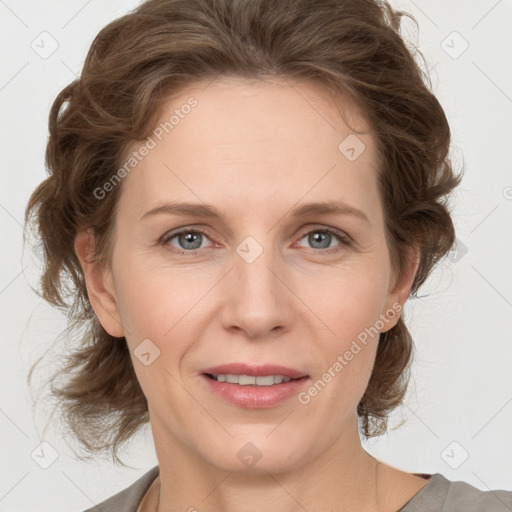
(459, 406)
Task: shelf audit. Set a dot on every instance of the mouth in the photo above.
(252, 380)
(254, 387)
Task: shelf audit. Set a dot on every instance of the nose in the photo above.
(259, 302)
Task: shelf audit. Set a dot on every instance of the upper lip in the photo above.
(254, 370)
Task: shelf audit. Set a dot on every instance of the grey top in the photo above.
(439, 495)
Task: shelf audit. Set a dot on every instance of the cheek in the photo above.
(351, 311)
(162, 304)
(349, 305)
(347, 299)
(157, 301)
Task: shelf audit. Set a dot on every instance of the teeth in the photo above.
(249, 380)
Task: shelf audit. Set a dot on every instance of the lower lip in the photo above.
(256, 397)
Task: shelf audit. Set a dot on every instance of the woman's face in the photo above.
(262, 282)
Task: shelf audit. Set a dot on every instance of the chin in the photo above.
(257, 455)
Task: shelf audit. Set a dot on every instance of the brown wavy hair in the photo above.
(352, 48)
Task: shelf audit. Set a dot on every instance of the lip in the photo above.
(255, 397)
(254, 370)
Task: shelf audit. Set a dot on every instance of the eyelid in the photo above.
(335, 231)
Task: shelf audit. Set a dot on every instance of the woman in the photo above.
(243, 195)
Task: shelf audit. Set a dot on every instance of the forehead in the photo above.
(255, 142)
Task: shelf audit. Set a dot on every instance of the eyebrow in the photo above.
(208, 211)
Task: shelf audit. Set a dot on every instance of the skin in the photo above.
(254, 151)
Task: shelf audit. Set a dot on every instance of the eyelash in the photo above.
(341, 237)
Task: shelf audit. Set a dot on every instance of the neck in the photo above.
(344, 478)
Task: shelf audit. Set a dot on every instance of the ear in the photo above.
(401, 287)
(99, 283)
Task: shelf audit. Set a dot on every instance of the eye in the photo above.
(188, 240)
(321, 239)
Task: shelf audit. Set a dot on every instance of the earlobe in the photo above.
(100, 284)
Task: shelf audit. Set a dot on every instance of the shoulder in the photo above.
(128, 500)
(441, 494)
(463, 496)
